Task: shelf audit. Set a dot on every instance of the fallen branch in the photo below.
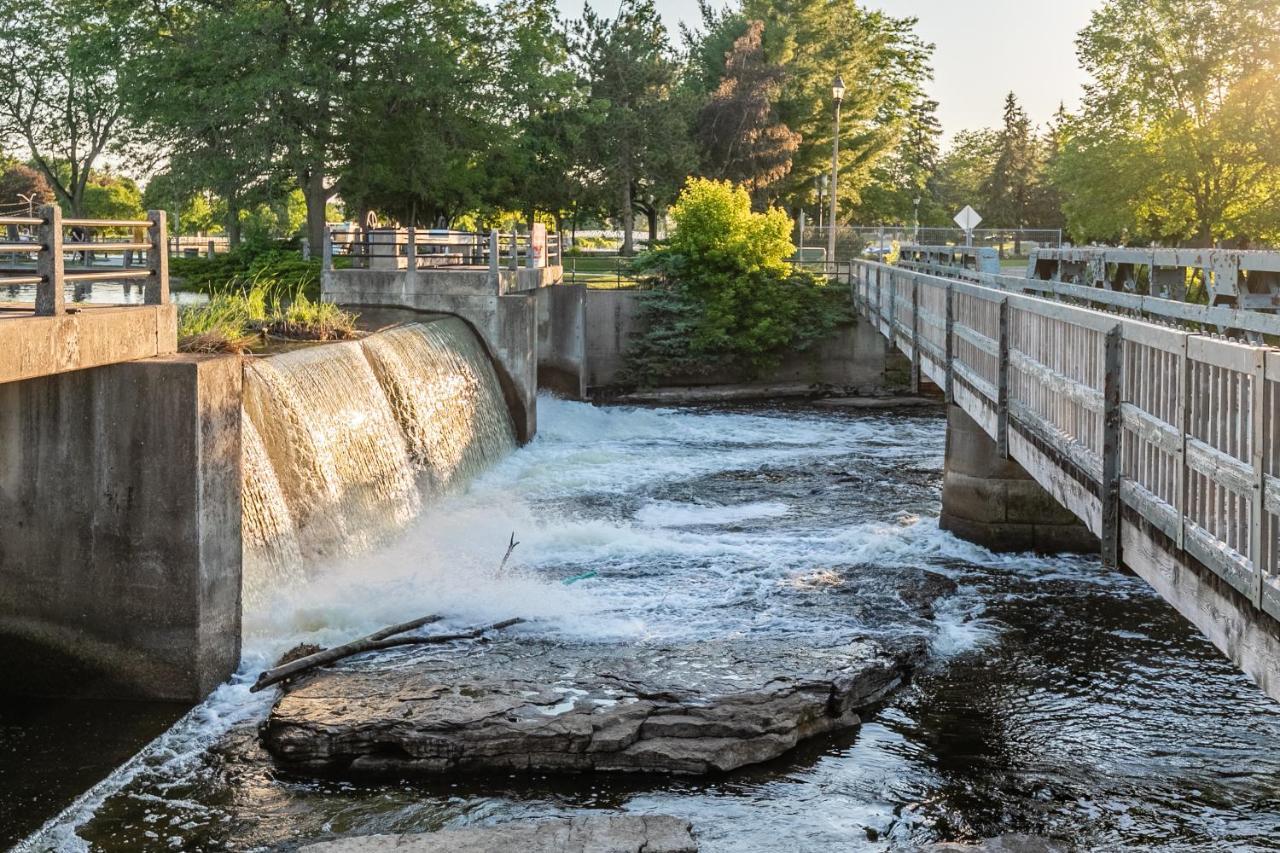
(383, 639)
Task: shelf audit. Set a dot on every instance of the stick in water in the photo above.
(383, 639)
(507, 556)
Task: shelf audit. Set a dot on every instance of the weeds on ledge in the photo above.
(241, 316)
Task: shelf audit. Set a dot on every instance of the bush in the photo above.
(725, 294)
(271, 264)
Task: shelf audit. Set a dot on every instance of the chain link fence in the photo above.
(870, 241)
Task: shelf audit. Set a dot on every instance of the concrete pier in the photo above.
(994, 502)
(120, 538)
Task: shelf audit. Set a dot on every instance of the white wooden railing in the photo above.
(1162, 424)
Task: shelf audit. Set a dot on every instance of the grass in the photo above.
(609, 271)
(245, 313)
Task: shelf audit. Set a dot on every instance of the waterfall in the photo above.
(343, 442)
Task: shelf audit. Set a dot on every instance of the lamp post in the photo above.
(837, 94)
(915, 230)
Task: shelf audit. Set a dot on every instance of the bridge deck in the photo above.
(1162, 440)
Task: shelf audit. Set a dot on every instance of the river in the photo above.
(1061, 698)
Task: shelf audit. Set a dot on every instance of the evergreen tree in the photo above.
(738, 129)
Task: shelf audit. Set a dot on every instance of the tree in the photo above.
(884, 65)
(23, 190)
(109, 196)
(965, 168)
(58, 93)
(423, 113)
(741, 137)
(637, 139)
(536, 164)
(1179, 124)
(1006, 193)
(907, 173)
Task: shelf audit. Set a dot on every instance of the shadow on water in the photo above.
(52, 750)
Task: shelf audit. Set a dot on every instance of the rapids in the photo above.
(1063, 698)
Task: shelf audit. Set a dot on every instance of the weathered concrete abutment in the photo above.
(502, 307)
(120, 529)
(993, 501)
(854, 359)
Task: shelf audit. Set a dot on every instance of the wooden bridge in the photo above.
(1150, 420)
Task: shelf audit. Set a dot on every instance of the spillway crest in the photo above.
(343, 443)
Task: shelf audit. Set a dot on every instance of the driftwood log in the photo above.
(383, 639)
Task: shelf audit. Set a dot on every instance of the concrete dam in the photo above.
(343, 443)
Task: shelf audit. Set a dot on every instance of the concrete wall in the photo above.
(994, 502)
(504, 313)
(855, 359)
(120, 529)
(562, 343)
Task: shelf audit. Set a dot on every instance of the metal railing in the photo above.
(1219, 320)
(97, 250)
(194, 247)
(410, 248)
(877, 240)
(1247, 279)
(1171, 426)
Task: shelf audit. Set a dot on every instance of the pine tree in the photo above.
(738, 128)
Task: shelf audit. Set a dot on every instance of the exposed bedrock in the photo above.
(589, 834)
(686, 709)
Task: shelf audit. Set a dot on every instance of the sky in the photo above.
(984, 49)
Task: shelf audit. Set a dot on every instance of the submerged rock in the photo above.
(687, 709)
(602, 834)
(1012, 843)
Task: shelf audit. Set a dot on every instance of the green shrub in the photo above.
(724, 294)
(252, 263)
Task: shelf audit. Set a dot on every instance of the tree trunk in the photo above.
(317, 200)
(652, 214)
(628, 220)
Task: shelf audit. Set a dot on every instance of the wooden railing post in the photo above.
(494, 248)
(1002, 384)
(157, 290)
(1183, 416)
(326, 250)
(411, 249)
(1111, 438)
(515, 250)
(950, 390)
(50, 295)
(1261, 427)
(915, 333)
(893, 307)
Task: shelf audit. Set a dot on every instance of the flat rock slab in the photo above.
(595, 834)
(602, 834)
(1002, 844)
(538, 706)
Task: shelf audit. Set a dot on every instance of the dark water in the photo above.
(51, 750)
(1063, 699)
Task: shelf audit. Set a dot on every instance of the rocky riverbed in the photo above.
(535, 706)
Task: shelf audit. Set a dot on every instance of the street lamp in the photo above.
(837, 94)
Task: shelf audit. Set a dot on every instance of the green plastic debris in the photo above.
(582, 577)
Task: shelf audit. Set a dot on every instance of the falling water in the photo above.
(343, 442)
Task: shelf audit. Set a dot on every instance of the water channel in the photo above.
(1060, 698)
